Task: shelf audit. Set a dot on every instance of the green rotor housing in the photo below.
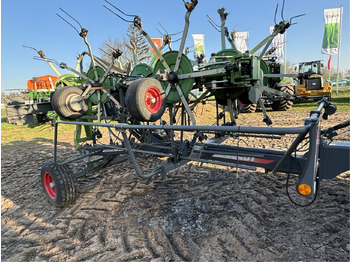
(100, 73)
(184, 68)
(142, 70)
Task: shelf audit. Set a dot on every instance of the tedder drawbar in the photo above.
(149, 110)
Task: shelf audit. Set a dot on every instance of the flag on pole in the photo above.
(241, 41)
(331, 33)
(198, 45)
(278, 43)
(158, 44)
(329, 62)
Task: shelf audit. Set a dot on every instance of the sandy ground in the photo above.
(195, 213)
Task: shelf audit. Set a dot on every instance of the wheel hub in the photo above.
(172, 78)
(75, 103)
(153, 99)
(50, 186)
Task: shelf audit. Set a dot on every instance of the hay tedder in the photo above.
(120, 113)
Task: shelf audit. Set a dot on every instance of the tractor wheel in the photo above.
(65, 102)
(145, 99)
(58, 184)
(283, 104)
(248, 108)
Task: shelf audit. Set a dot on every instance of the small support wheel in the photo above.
(145, 99)
(67, 104)
(58, 183)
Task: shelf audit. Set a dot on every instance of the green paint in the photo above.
(100, 72)
(142, 70)
(185, 68)
(330, 37)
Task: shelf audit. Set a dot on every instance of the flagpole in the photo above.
(285, 52)
(329, 68)
(340, 26)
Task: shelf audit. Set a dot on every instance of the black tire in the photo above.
(284, 104)
(58, 184)
(248, 108)
(111, 108)
(64, 102)
(145, 99)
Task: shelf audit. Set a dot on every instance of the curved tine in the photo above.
(275, 14)
(117, 15)
(176, 40)
(53, 61)
(38, 58)
(159, 31)
(119, 9)
(31, 48)
(295, 17)
(214, 26)
(282, 10)
(213, 21)
(68, 23)
(48, 59)
(176, 33)
(72, 18)
(163, 28)
(104, 51)
(111, 47)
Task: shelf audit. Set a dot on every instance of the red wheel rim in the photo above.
(50, 185)
(153, 99)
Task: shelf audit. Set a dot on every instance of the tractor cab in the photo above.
(313, 67)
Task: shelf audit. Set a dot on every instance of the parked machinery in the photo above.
(30, 102)
(152, 113)
(310, 81)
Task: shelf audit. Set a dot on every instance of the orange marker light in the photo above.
(304, 189)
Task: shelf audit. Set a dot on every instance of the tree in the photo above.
(138, 45)
(134, 46)
(290, 68)
(110, 45)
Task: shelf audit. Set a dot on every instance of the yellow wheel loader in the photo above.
(310, 81)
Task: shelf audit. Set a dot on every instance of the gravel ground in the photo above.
(195, 213)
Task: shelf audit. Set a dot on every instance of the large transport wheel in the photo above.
(65, 102)
(145, 99)
(283, 104)
(58, 184)
(248, 108)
